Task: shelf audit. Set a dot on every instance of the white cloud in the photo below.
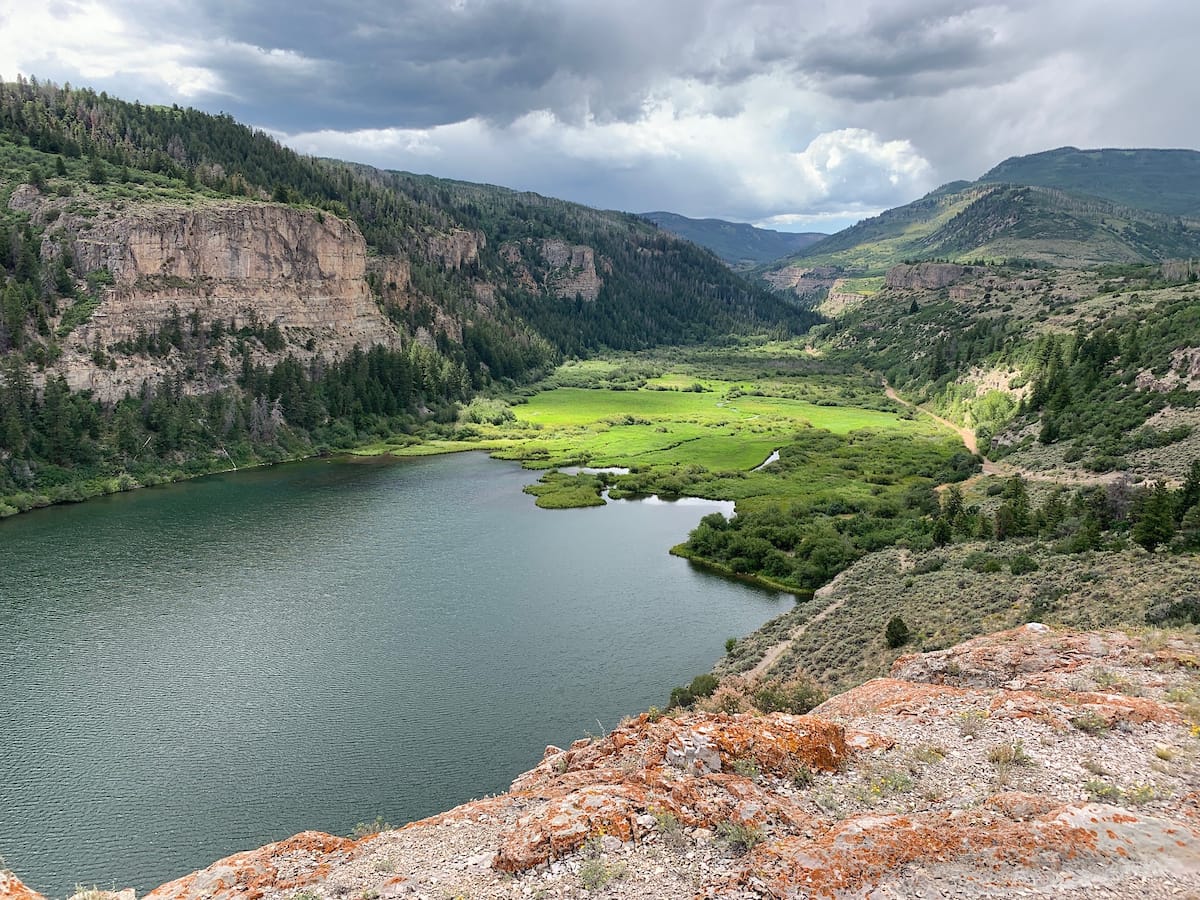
(827, 222)
(746, 166)
(91, 40)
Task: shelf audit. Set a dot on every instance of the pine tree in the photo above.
(1156, 524)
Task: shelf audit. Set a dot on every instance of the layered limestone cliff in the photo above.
(804, 282)
(572, 270)
(1027, 763)
(457, 248)
(240, 263)
(926, 275)
(563, 270)
(392, 276)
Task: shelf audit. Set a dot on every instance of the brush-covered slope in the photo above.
(1006, 222)
(1062, 207)
(1162, 181)
(737, 243)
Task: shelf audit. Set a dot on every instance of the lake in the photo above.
(202, 668)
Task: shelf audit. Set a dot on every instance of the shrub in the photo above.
(594, 873)
(1022, 564)
(929, 753)
(362, 829)
(981, 562)
(970, 722)
(741, 837)
(701, 686)
(1139, 794)
(1102, 790)
(797, 696)
(931, 563)
(897, 634)
(802, 776)
(1090, 723)
(1003, 755)
(666, 821)
(747, 768)
(891, 782)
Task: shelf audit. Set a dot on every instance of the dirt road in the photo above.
(1001, 469)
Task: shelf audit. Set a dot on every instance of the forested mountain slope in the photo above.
(1162, 181)
(180, 293)
(739, 244)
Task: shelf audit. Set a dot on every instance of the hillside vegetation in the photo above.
(499, 287)
(1063, 207)
(737, 243)
(1163, 181)
(1003, 222)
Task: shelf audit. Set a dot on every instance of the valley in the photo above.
(972, 418)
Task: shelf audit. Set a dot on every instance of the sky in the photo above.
(801, 115)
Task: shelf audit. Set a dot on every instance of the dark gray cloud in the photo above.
(768, 108)
(426, 62)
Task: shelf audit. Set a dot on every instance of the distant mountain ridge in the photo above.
(737, 243)
(1162, 181)
(1061, 207)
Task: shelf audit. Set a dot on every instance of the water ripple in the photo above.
(198, 669)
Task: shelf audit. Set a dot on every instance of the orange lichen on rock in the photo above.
(776, 742)
(677, 765)
(1115, 708)
(11, 888)
(894, 697)
(292, 863)
(994, 846)
(702, 742)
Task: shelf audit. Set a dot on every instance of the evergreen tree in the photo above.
(1156, 521)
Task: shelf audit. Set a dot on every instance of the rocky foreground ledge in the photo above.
(1025, 763)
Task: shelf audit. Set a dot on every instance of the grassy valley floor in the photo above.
(824, 464)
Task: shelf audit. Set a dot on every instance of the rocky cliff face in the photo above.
(237, 263)
(393, 278)
(572, 270)
(1031, 762)
(457, 248)
(804, 281)
(564, 270)
(926, 276)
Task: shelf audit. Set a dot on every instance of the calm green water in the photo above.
(193, 670)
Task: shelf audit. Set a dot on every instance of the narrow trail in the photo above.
(966, 434)
(1001, 469)
(777, 650)
(990, 468)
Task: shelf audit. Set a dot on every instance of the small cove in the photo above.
(205, 667)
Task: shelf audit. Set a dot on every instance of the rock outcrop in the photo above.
(925, 275)
(804, 281)
(392, 276)
(11, 888)
(572, 270)
(1028, 763)
(1184, 373)
(242, 263)
(456, 248)
(560, 269)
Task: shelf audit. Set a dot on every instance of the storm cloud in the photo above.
(795, 114)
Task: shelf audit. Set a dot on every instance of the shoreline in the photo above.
(800, 595)
(120, 486)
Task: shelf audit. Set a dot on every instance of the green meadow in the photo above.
(681, 429)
